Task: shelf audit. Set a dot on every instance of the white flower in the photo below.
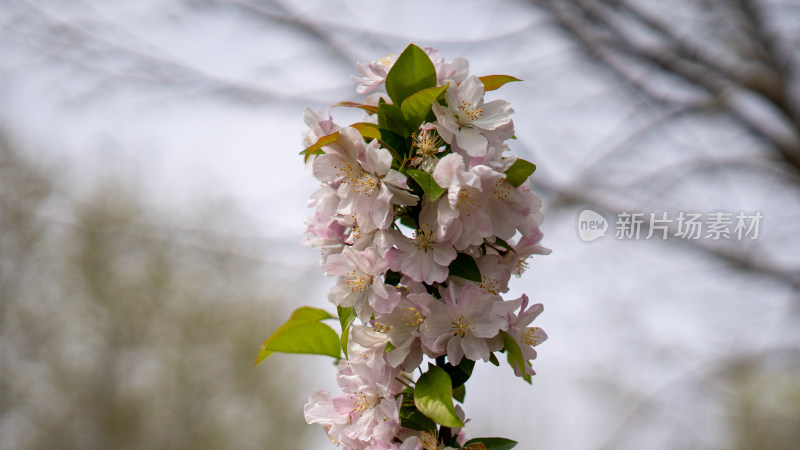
(526, 337)
(374, 73)
(464, 324)
(426, 257)
(360, 284)
(455, 70)
(367, 185)
(401, 328)
(462, 216)
(467, 119)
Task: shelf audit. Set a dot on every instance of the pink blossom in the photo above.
(495, 273)
(455, 70)
(368, 400)
(373, 73)
(367, 185)
(401, 326)
(466, 119)
(359, 283)
(524, 248)
(426, 257)
(526, 337)
(463, 216)
(463, 324)
(324, 229)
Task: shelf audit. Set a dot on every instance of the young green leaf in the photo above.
(519, 172)
(493, 443)
(368, 108)
(368, 130)
(433, 396)
(464, 266)
(412, 72)
(346, 318)
(459, 393)
(417, 106)
(316, 148)
(515, 355)
(427, 183)
(474, 446)
(492, 82)
(302, 333)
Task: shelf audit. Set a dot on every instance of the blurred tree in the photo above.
(650, 105)
(118, 333)
(691, 68)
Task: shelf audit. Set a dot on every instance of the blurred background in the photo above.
(152, 203)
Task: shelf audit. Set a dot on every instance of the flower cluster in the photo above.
(422, 217)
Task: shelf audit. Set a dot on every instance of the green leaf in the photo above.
(409, 221)
(427, 183)
(391, 118)
(474, 446)
(433, 396)
(492, 82)
(368, 130)
(316, 148)
(515, 355)
(459, 374)
(302, 333)
(493, 359)
(504, 244)
(392, 277)
(393, 141)
(410, 417)
(493, 443)
(368, 108)
(464, 266)
(412, 72)
(417, 106)
(346, 318)
(519, 172)
(459, 393)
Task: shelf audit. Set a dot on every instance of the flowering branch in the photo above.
(422, 218)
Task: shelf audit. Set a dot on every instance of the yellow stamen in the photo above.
(462, 326)
(412, 317)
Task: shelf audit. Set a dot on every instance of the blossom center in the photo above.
(423, 238)
(363, 402)
(522, 266)
(531, 337)
(462, 326)
(382, 327)
(490, 284)
(386, 61)
(429, 441)
(412, 317)
(467, 201)
(427, 142)
(365, 183)
(358, 281)
(345, 170)
(502, 189)
(469, 111)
